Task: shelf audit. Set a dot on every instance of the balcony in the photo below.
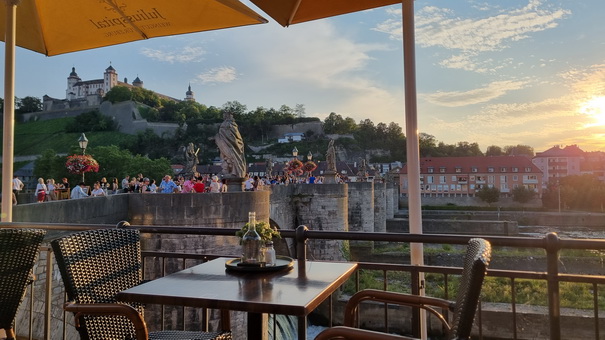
(531, 303)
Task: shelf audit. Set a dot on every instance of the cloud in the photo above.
(468, 38)
(223, 74)
(185, 55)
(480, 95)
(556, 119)
(318, 62)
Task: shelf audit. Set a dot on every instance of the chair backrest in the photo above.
(476, 260)
(95, 265)
(18, 254)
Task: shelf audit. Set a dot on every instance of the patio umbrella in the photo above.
(288, 12)
(56, 27)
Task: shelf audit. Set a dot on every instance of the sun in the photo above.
(595, 108)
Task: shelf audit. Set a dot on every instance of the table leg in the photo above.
(302, 328)
(257, 326)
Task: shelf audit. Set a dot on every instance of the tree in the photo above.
(299, 110)
(91, 121)
(494, 150)
(49, 165)
(235, 107)
(28, 104)
(519, 150)
(118, 94)
(522, 194)
(488, 195)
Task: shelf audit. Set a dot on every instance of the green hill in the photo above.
(33, 138)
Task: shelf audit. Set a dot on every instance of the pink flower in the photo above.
(80, 164)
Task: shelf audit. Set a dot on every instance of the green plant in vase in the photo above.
(263, 229)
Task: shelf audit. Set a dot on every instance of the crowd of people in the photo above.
(49, 190)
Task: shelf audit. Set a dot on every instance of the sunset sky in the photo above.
(496, 73)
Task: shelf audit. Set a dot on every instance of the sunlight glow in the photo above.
(595, 108)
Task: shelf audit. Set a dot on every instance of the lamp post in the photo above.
(309, 156)
(295, 152)
(83, 141)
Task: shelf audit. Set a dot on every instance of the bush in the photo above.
(91, 121)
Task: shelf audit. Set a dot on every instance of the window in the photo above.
(473, 169)
(453, 178)
(503, 179)
(462, 179)
(442, 169)
(515, 169)
(491, 179)
(527, 169)
(515, 178)
(430, 170)
(458, 169)
(442, 179)
(472, 178)
(490, 169)
(430, 179)
(503, 169)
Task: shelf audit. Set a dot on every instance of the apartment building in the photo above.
(558, 162)
(464, 176)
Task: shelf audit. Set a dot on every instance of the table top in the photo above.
(293, 292)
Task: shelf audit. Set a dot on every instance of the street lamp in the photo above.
(309, 156)
(295, 152)
(83, 141)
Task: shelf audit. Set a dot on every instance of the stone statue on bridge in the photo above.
(191, 159)
(231, 147)
(331, 171)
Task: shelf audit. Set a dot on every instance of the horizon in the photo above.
(525, 72)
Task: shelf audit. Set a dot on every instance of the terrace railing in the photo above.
(550, 243)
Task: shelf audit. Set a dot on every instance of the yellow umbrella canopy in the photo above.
(56, 27)
(287, 12)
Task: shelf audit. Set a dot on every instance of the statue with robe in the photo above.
(191, 159)
(331, 156)
(231, 148)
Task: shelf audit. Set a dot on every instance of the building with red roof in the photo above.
(558, 162)
(464, 176)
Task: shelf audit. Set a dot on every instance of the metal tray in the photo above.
(282, 263)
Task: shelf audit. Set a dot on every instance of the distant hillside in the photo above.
(35, 137)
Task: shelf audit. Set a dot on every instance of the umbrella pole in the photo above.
(9, 110)
(413, 152)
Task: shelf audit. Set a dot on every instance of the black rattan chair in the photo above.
(476, 260)
(18, 253)
(95, 265)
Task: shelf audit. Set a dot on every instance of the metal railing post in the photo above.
(301, 243)
(552, 274)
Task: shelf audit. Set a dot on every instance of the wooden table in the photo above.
(295, 292)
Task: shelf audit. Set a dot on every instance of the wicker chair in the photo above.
(18, 253)
(476, 260)
(97, 264)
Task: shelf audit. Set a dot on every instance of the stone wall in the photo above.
(278, 131)
(463, 200)
(501, 228)
(361, 207)
(318, 206)
(92, 210)
(380, 207)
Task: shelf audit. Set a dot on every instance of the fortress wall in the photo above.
(278, 131)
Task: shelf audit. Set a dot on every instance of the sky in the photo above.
(502, 73)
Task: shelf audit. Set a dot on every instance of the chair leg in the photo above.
(10, 333)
